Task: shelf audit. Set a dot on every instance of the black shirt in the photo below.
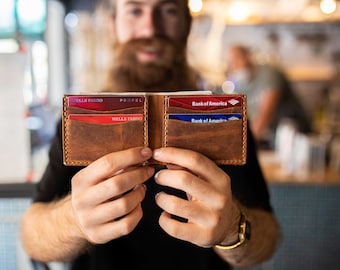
(148, 246)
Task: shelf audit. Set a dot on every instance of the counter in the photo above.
(275, 175)
(307, 208)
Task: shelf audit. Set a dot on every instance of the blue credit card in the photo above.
(206, 118)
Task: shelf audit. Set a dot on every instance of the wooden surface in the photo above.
(275, 174)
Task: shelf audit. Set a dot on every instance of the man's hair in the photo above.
(112, 7)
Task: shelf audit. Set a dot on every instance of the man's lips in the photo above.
(148, 54)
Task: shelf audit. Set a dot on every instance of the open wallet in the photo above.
(97, 124)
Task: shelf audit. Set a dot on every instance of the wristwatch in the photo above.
(243, 234)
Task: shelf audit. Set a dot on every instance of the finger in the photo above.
(193, 161)
(118, 185)
(185, 231)
(193, 211)
(112, 163)
(115, 209)
(115, 229)
(196, 187)
(175, 167)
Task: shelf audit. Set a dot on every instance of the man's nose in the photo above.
(150, 25)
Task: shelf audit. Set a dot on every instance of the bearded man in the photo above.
(152, 59)
(116, 214)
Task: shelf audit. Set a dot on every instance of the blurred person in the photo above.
(270, 97)
(117, 214)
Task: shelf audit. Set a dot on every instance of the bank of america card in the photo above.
(106, 118)
(105, 103)
(206, 118)
(206, 103)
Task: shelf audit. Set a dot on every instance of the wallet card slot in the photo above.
(86, 142)
(206, 104)
(135, 110)
(223, 142)
(104, 104)
(225, 110)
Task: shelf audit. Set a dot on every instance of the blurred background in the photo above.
(51, 47)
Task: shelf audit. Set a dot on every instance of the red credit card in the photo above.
(105, 103)
(106, 118)
(207, 103)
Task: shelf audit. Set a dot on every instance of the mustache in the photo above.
(157, 41)
(165, 46)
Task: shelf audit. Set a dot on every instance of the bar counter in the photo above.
(274, 173)
(307, 208)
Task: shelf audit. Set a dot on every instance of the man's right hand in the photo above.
(107, 195)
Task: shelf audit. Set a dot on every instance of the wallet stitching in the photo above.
(146, 121)
(244, 146)
(165, 111)
(242, 160)
(66, 141)
(244, 137)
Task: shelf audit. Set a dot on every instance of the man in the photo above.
(270, 97)
(116, 214)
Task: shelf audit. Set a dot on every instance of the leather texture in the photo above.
(223, 142)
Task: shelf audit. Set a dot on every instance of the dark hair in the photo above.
(111, 6)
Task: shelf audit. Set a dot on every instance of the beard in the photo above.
(169, 72)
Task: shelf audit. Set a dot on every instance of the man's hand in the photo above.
(212, 215)
(107, 195)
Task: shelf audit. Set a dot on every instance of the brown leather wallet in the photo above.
(97, 124)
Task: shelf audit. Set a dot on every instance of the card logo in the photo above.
(206, 103)
(106, 118)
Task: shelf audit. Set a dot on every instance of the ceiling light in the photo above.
(195, 5)
(238, 11)
(328, 6)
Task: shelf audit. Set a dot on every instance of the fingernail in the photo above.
(146, 152)
(156, 176)
(156, 153)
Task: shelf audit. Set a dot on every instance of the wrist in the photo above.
(64, 212)
(241, 233)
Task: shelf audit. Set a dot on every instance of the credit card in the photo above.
(105, 103)
(206, 118)
(106, 118)
(205, 103)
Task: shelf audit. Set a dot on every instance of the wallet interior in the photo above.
(117, 122)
